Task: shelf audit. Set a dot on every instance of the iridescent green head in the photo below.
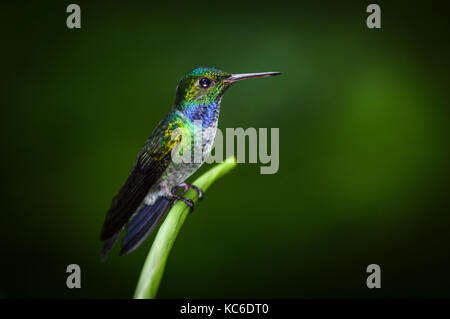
(206, 85)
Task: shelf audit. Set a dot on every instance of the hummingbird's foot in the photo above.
(185, 200)
(185, 187)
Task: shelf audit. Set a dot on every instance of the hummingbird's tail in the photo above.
(143, 224)
(109, 244)
(139, 228)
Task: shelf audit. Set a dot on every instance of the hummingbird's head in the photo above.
(206, 85)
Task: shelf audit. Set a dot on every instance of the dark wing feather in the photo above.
(131, 195)
(150, 165)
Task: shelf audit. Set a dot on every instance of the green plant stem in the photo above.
(155, 262)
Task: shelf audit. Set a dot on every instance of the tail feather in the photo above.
(136, 220)
(143, 224)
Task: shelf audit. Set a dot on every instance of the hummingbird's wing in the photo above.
(150, 165)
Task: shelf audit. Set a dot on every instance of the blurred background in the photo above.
(363, 117)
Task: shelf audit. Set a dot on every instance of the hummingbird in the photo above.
(156, 179)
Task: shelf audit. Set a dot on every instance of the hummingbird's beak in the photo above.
(237, 77)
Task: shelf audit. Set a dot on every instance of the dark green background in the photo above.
(363, 118)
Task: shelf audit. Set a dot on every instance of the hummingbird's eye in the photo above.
(204, 82)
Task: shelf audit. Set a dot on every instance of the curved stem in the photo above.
(155, 262)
